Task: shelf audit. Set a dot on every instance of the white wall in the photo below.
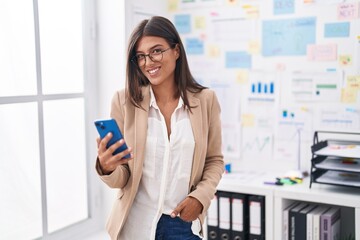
(111, 66)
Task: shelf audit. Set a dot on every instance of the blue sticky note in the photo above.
(284, 6)
(183, 23)
(194, 46)
(238, 59)
(288, 37)
(341, 29)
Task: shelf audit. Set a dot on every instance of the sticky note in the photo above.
(254, 47)
(200, 22)
(322, 52)
(248, 120)
(336, 30)
(240, 59)
(353, 82)
(173, 5)
(242, 76)
(348, 11)
(213, 51)
(283, 6)
(349, 95)
(194, 46)
(345, 60)
(183, 23)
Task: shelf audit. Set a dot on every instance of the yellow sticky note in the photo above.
(349, 95)
(200, 22)
(345, 60)
(173, 5)
(242, 76)
(213, 51)
(248, 120)
(251, 11)
(353, 82)
(254, 47)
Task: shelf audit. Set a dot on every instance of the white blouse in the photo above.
(166, 172)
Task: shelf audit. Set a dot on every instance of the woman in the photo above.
(173, 125)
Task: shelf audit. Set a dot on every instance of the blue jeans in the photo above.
(174, 229)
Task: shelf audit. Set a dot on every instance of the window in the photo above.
(45, 88)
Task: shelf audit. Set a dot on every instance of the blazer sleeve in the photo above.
(120, 176)
(214, 161)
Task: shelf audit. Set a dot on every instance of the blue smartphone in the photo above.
(109, 125)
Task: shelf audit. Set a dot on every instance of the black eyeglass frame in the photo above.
(135, 61)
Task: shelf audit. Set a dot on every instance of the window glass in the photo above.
(20, 184)
(61, 46)
(64, 132)
(17, 48)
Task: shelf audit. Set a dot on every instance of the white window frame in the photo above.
(94, 221)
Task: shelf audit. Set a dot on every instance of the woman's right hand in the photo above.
(108, 161)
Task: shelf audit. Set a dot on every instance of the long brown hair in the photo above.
(158, 26)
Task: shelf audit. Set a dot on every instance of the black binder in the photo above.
(224, 215)
(257, 217)
(213, 219)
(239, 216)
(294, 221)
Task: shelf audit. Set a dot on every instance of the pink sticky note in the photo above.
(348, 11)
(322, 52)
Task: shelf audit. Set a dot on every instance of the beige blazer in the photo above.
(207, 166)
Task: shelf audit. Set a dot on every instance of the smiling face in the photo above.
(157, 72)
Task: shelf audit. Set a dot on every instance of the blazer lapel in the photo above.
(141, 124)
(196, 124)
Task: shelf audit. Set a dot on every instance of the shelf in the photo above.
(277, 197)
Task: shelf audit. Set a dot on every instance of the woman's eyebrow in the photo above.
(155, 46)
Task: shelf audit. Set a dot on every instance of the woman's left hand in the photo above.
(189, 209)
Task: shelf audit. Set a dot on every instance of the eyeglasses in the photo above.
(156, 56)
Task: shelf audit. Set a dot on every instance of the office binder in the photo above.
(239, 216)
(213, 219)
(301, 222)
(330, 224)
(224, 215)
(285, 235)
(294, 220)
(257, 217)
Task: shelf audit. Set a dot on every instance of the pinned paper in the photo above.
(173, 5)
(348, 11)
(349, 95)
(337, 30)
(251, 11)
(284, 6)
(183, 23)
(242, 76)
(213, 51)
(353, 82)
(323, 52)
(200, 22)
(194, 46)
(239, 59)
(254, 47)
(345, 60)
(248, 120)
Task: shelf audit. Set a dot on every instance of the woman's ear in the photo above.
(177, 51)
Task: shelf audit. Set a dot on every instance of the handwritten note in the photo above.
(323, 52)
(194, 46)
(283, 6)
(200, 22)
(345, 60)
(353, 82)
(348, 11)
(183, 23)
(287, 37)
(238, 59)
(341, 29)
